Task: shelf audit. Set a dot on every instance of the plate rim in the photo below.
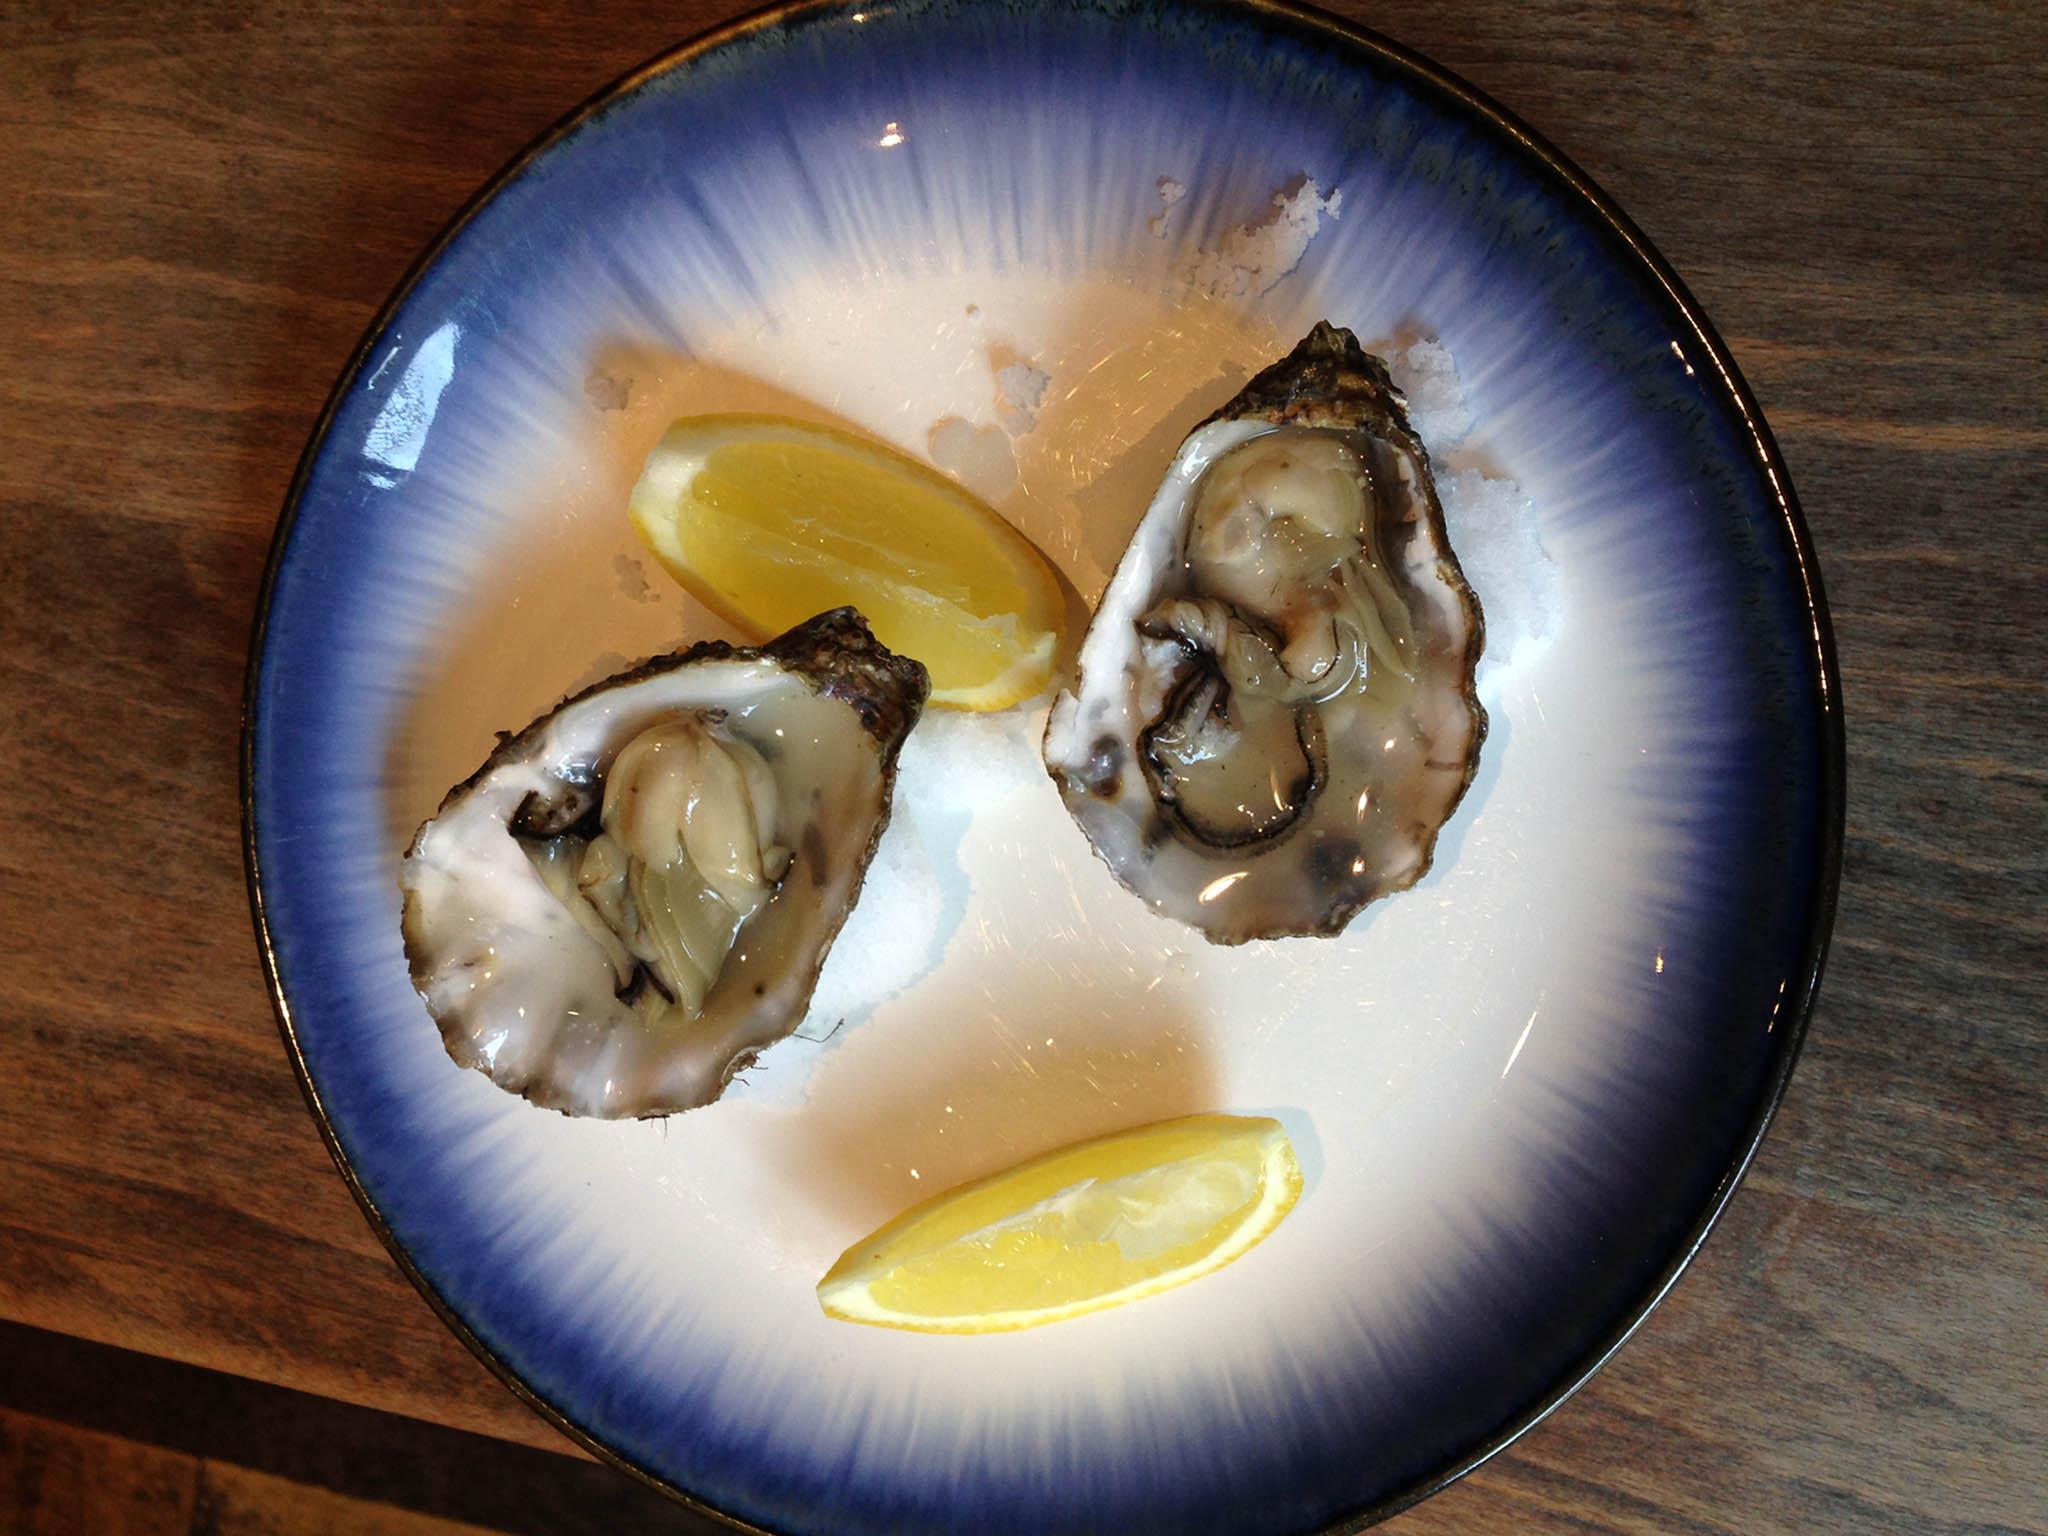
(1311, 24)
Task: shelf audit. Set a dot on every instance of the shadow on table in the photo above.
(443, 1474)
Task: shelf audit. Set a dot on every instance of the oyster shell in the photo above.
(634, 895)
(1274, 711)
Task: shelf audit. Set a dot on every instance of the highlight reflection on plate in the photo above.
(1520, 1090)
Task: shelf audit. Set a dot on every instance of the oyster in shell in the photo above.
(1274, 711)
(635, 894)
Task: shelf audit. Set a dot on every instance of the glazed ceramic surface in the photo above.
(1520, 1091)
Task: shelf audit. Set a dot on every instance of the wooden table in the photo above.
(208, 202)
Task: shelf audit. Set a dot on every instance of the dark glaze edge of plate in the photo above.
(1309, 25)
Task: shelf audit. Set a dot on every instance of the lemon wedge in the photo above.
(767, 521)
(1090, 1226)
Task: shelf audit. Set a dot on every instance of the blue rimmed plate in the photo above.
(1016, 237)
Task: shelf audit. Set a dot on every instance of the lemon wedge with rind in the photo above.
(767, 520)
(1090, 1226)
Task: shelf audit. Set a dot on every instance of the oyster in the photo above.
(1274, 710)
(635, 894)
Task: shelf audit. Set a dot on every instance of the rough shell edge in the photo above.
(840, 657)
(1329, 380)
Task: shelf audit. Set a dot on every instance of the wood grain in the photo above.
(209, 201)
(77, 1415)
(59, 1480)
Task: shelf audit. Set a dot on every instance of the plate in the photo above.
(1521, 1091)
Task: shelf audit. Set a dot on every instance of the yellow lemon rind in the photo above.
(845, 1292)
(671, 470)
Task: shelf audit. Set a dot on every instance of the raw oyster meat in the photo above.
(1274, 711)
(635, 894)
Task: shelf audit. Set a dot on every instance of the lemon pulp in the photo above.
(1090, 1226)
(769, 521)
